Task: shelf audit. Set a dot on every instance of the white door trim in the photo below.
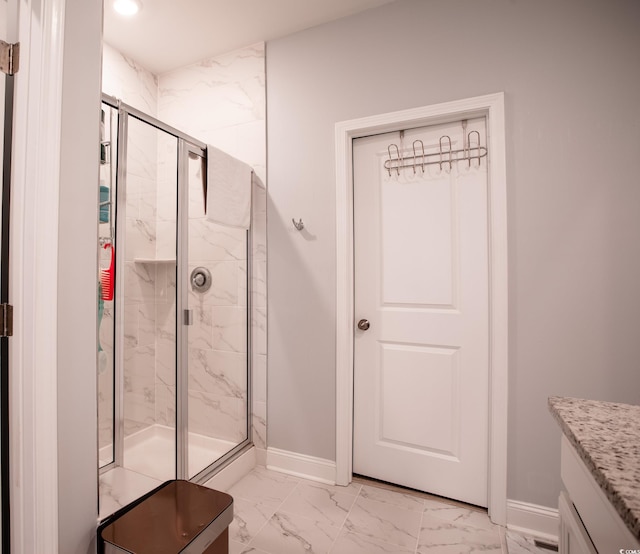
(491, 106)
(33, 279)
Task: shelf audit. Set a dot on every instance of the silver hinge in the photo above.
(9, 57)
(6, 320)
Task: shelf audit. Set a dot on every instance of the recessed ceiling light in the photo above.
(127, 7)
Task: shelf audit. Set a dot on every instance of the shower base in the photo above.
(149, 460)
(151, 452)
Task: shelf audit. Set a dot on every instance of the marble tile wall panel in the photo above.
(139, 282)
(217, 416)
(165, 293)
(259, 377)
(225, 284)
(259, 330)
(224, 373)
(139, 409)
(229, 327)
(165, 405)
(140, 238)
(259, 425)
(127, 80)
(225, 91)
(213, 242)
(166, 196)
(259, 316)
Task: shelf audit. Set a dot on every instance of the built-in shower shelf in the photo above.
(154, 260)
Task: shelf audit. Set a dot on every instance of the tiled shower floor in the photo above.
(280, 514)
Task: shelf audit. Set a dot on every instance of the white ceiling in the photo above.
(167, 34)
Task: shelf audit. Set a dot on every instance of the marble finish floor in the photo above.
(281, 514)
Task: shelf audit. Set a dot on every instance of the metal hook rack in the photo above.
(399, 158)
(445, 155)
(415, 157)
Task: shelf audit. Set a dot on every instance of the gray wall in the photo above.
(570, 71)
(77, 278)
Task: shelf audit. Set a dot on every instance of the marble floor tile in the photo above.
(249, 517)
(440, 536)
(351, 543)
(384, 521)
(120, 486)
(401, 500)
(293, 534)
(263, 485)
(320, 503)
(239, 548)
(518, 544)
(280, 514)
(466, 517)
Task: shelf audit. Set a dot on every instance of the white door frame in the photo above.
(491, 106)
(33, 275)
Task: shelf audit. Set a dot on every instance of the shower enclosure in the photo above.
(173, 305)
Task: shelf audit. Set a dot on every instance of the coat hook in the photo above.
(298, 224)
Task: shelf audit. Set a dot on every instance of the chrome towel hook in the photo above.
(298, 224)
(415, 155)
(477, 147)
(391, 158)
(450, 160)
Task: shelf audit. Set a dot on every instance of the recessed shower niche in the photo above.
(175, 333)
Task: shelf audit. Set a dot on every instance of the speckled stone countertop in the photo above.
(606, 436)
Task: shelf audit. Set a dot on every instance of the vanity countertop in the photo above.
(606, 436)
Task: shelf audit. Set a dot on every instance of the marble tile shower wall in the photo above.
(221, 101)
(127, 80)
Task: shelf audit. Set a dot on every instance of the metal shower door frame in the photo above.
(186, 145)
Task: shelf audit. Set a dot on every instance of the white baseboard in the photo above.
(530, 519)
(300, 465)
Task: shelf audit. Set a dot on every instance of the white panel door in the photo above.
(421, 281)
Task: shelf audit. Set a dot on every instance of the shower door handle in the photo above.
(188, 317)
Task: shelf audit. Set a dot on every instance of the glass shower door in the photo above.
(217, 337)
(146, 299)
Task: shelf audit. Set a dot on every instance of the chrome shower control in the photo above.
(200, 279)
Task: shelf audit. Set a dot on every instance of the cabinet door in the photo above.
(573, 536)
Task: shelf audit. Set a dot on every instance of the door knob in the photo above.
(363, 324)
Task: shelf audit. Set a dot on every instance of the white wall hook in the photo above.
(298, 224)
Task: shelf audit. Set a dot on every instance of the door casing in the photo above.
(492, 107)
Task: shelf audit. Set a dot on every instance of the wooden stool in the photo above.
(177, 517)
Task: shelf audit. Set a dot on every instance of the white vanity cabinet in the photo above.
(573, 537)
(589, 524)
